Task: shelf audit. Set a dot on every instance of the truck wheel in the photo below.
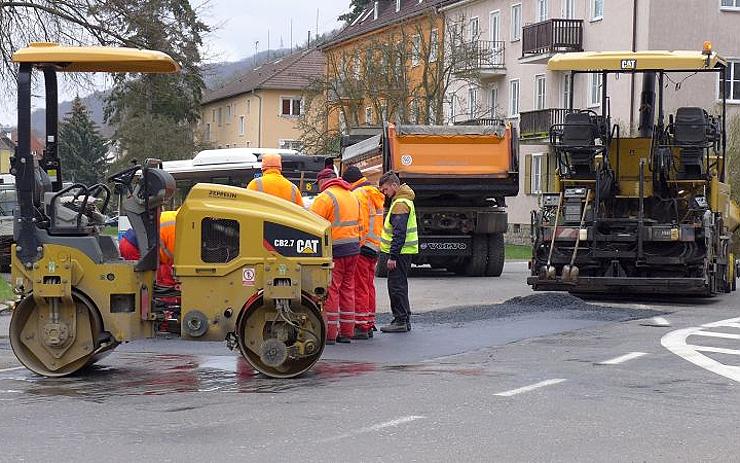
(381, 271)
(476, 264)
(496, 255)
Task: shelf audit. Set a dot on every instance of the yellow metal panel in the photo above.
(96, 59)
(634, 61)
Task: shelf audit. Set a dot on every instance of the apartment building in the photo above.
(517, 37)
(261, 108)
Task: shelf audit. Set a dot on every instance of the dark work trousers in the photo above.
(398, 288)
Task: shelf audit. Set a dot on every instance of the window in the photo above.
(414, 111)
(493, 97)
(516, 22)
(594, 90)
(542, 10)
(290, 144)
(433, 45)
(730, 5)
(540, 89)
(597, 10)
(451, 109)
(384, 111)
(565, 91)
(415, 50)
(219, 116)
(369, 115)
(249, 106)
(208, 132)
(398, 6)
(514, 98)
(290, 107)
(241, 125)
(732, 85)
(472, 102)
(536, 174)
(569, 9)
(342, 122)
(228, 112)
(213, 115)
(219, 240)
(431, 113)
(357, 66)
(474, 30)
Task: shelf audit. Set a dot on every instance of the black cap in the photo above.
(352, 174)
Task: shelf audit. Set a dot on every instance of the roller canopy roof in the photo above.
(619, 61)
(96, 59)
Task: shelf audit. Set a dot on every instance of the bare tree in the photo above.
(404, 74)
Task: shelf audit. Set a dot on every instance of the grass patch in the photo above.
(6, 292)
(518, 252)
(110, 231)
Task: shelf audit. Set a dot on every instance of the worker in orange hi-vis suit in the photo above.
(165, 275)
(337, 204)
(371, 226)
(272, 181)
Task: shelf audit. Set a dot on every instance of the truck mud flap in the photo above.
(457, 245)
(683, 286)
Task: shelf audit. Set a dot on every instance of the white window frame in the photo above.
(514, 97)
(292, 99)
(540, 101)
(734, 7)
(219, 116)
(516, 22)
(242, 125)
(536, 173)
(415, 50)
(569, 9)
(433, 45)
(565, 91)
(594, 80)
(730, 77)
(542, 10)
(493, 99)
(472, 102)
(473, 34)
(369, 115)
(594, 16)
(208, 132)
(228, 113)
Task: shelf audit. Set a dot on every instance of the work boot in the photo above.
(370, 333)
(396, 326)
(360, 334)
(344, 339)
(408, 325)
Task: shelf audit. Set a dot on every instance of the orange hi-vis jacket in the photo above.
(273, 183)
(371, 213)
(167, 237)
(338, 205)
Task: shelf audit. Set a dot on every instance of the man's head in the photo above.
(352, 174)
(389, 184)
(272, 161)
(324, 176)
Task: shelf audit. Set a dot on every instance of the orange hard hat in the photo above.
(271, 161)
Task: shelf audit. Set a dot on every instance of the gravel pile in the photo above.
(563, 304)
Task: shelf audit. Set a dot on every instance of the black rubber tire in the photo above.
(496, 255)
(476, 264)
(381, 270)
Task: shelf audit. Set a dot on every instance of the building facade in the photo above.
(262, 107)
(524, 34)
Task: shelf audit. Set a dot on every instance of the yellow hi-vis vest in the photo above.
(411, 245)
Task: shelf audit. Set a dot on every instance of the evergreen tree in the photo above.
(81, 149)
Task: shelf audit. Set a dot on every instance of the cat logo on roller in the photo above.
(307, 246)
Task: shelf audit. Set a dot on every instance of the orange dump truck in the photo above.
(461, 176)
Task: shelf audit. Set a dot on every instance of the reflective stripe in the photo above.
(260, 186)
(337, 222)
(411, 241)
(346, 240)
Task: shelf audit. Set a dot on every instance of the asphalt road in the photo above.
(543, 378)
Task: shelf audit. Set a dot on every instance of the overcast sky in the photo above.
(238, 24)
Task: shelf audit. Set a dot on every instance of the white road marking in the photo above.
(656, 321)
(531, 387)
(11, 369)
(675, 341)
(623, 358)
(715, 334)
(375, 427)
(716, 350)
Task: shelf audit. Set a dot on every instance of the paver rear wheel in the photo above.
(496, 255)
(476, 263)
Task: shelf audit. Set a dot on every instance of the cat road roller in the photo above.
(253, 269)
(648, 212)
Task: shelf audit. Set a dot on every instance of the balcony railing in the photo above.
(481, 55)
(536, 124)
(481, 121)
(552, 36)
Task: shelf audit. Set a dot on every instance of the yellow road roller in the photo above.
(253, 269)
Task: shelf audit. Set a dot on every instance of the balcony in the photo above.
(540, 41)
(487, 57)
(486, 121)
(534, 126)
